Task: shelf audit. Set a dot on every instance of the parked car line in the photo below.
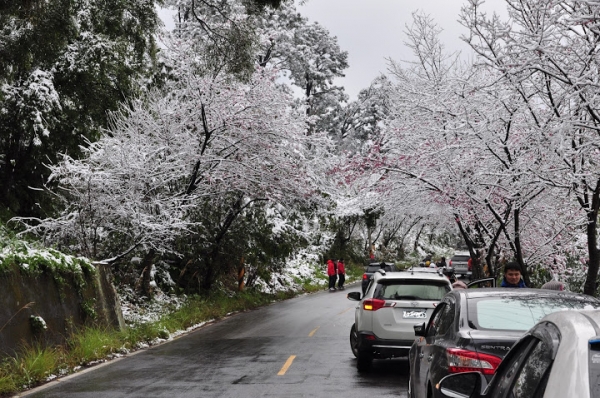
(473, 329)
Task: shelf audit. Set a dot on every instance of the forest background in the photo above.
(195, 166)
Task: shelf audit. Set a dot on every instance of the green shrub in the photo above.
(91, 344)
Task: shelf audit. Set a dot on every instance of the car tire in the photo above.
(364, 360)
(354, 340)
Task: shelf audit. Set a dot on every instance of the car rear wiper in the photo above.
(397, 297)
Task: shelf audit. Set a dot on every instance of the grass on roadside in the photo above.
(30, 366)
(35, 365)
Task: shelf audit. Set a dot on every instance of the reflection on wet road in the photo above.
(296, 348)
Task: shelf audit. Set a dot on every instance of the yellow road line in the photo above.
(286, 365)
(311, 334)
(346, 310)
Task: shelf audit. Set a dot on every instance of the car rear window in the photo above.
(460, 258)
(374, 268)
(411, 290)
(519, 313)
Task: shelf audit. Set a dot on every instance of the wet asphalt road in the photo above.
(296, 348)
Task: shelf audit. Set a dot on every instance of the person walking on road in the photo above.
(341, 270)
(331, 272)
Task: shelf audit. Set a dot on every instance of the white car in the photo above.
(393, 303)
(558, 358)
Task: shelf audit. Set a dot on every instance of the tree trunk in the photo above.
(146, 274)
(370, 243)
(476, 268)
(489, 258)
(210, 271)
(416, 246)
(519, 249)
(592, 240)
(241, 273)
(208, 275)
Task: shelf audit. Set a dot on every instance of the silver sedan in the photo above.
(559, 357)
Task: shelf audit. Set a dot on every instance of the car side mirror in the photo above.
(420, 329)
(463, 385)
(354, 296)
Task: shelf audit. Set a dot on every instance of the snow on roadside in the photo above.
(137, 310)
(303, 269)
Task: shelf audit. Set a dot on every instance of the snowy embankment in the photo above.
(303, 270)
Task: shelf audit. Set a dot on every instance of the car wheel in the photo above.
(364, 360)
(354, 340)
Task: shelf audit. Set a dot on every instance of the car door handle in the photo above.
(430, 358)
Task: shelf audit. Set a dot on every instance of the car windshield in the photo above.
(411, 290)
(520, 313)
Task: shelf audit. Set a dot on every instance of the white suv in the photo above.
(393, 303)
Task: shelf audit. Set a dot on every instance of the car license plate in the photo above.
(415, 314)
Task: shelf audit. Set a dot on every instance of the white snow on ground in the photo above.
(303, 269)
(136, 311)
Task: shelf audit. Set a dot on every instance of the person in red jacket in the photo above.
(341, 270)
(331, 272)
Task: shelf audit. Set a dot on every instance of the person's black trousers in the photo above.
(332, 280)
(341, 280)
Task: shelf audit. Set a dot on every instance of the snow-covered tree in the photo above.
(201, 139)
(548, 55)
(467, 145)
(63, 65)
(307, 55)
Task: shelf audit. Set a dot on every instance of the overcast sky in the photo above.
(373, 30)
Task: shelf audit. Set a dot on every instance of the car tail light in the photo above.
(450, 263)
(460, 360)
(365, 276)
(375, 304)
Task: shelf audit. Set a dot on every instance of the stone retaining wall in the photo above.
(61, 301)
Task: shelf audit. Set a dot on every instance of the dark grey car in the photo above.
(460, 264)
(473, 329)
(557, 358)
(371, 269)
